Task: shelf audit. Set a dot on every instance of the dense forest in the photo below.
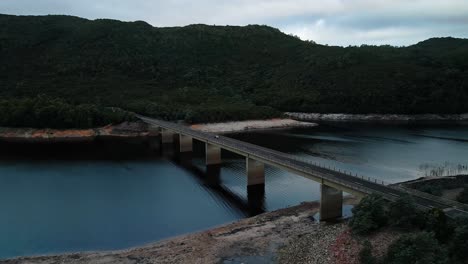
(42, 111)
(206, 73)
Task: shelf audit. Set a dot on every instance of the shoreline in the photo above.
(135, 130)
(377, 118)
(35, 135)
(259, 239)
(140, 130)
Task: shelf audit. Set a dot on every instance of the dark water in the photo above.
(114, 195)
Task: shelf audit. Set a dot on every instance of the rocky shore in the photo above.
(267, 238)
(314, 117)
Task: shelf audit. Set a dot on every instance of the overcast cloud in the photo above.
(333, 22)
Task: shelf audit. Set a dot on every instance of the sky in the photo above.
(332, 22)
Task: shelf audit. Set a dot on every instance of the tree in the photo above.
(365, 255)
(463, 196)
(369, 215)
(459, 242)
(436, 221)
(205, 73)
(403, 213)
(46, 112)
(416, 249)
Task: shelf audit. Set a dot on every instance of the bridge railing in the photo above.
(309, 170)
(335, 169)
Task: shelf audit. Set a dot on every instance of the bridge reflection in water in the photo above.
(209, 178)
(332, 182)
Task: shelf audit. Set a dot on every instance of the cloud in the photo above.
(335, 22)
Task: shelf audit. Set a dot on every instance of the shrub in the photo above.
(369, 215)
(463, 196)
(459, 242)
(416, 248)
(431, 189)
(436, 221)
(365, 255)
(403, 213)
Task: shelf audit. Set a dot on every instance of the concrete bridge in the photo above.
(333, 182)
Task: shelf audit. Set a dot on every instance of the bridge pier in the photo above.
(213, 154)
(167, 136)
(331, 203)
(185, 143)
(255, 172)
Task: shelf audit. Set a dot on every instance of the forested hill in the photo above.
(211, 73)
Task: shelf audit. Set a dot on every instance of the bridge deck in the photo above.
(333, 178)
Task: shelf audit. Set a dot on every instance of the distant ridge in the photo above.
(212, 73)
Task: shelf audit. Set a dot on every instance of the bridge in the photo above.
(333, 182)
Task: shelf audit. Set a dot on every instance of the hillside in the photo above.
(213, 73)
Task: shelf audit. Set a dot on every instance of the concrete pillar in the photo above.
(331, 203)
(167, 136)
(185, 143)
(213, 154)
(255, 172)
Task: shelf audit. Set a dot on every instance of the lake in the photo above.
(113, 195)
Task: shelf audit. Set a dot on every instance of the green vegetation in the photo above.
(459, 243)
(44, 112)
(212, 73)
(365, 255)
(403, 213)
(416, 248)
(431, 189)
(431, 236)
(463, 196)
(369, 215)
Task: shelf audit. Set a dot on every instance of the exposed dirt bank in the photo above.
(251, 125)
(252, 240)
(375, 117)
(124, 130)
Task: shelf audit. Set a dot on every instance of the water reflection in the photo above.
(210, 178)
